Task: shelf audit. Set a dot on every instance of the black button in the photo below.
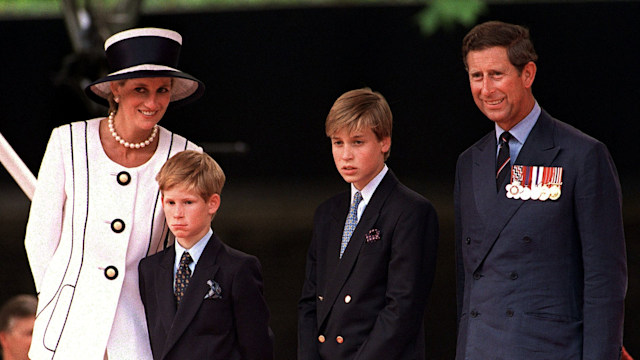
(123, 178)
(510, 313)
(111, 272)
(468, 241)
(513, 275)
(477, 276)
(117, 226)
(474, 313)
(526, 239)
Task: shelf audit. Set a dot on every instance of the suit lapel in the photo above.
(206, 269)
(345, 265)
(164, 279)
(538, 150)
(484, 177)
(339, 214)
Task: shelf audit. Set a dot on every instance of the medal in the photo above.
(544, 193)
(535, 192)
(554, 192)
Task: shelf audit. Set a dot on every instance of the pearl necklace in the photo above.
(126, 143)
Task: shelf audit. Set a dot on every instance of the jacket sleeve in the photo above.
(598, 204)
(410, 276)
(44, 226)
(251, 312)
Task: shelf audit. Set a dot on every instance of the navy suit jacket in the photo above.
(369, 304)
(540, 279)
(234, 326)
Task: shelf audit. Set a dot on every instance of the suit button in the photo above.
(477, 276)
(468, 241)
(321, 338)
(513, 275)
(474, 313)
(320, 297)
(339, 339)
(347, 299)
(123, 178)
(526, 239)
(117, 226)
(111, 272)
(510, 313)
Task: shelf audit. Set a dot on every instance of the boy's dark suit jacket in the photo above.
(540, 279)
(369, 304)
(234, 326)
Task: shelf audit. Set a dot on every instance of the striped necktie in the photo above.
(503, 166)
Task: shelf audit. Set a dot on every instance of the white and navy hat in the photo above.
(146, 52)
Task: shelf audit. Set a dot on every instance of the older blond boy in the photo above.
(202, 299)
(371, 261)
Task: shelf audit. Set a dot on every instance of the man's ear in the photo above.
(528, 74)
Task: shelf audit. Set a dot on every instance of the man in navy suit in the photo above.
(541, 262)
(371, 261)
(202, 299)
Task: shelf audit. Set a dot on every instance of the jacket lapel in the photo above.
(484, 177)
(164, 279)
(538, 150)
(350, 255)
(339, 214)
(206, 269)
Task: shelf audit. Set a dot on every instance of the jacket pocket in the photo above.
(551, 317)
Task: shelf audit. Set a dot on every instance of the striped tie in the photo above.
(503, 167)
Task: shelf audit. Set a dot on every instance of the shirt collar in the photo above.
(196, 250)
(370, 188)
(522, 129)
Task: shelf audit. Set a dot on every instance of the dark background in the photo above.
(272, 76)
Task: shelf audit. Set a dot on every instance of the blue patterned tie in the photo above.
(182, 276)
(352, 221)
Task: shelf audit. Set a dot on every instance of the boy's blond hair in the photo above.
(360, 109)
(194, 170)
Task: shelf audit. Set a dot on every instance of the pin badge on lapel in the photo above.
(535, 183)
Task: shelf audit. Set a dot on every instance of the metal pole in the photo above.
(17, 168)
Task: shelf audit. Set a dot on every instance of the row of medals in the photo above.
(535, 183)
(515, 190)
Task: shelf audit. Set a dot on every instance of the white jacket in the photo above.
(88, 228)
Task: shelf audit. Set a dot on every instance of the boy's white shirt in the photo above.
(195, 252)
(368, 190)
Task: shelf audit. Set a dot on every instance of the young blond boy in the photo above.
(371, 261)
(202, 299)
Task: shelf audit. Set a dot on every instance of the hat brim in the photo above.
(185, 88)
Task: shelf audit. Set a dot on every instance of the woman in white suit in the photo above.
(96, 210)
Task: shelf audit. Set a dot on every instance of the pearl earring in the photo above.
(116, 99)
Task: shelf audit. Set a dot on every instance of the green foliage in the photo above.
(437, 14)
(446, 13)
(29, 7)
